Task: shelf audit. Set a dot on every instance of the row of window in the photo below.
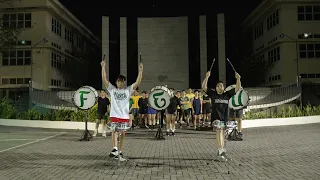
(273, 20)
(258, 31)
(309, 50)
(311, 36)
(274, 54)
(15, 81)
(272, 40)
(312, 75)
(274, 78)
(20, 20)
(308, 13)
(58, 83)
(56, 60)
(259, 48)
(56, 27)
(56, 46)
(16, 58)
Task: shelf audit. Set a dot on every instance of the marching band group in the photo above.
(206, 107)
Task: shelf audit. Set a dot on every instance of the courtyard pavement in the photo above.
(284, 153)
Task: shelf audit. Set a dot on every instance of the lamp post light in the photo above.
(305, 35)
(44, 40)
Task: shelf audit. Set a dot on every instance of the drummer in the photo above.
(220, 100)
(119, 111)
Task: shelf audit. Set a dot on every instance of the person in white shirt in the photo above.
(120, 98)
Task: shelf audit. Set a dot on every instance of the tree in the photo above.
(254, 71)
(9, 32)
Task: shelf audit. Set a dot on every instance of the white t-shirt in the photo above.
(120, 99)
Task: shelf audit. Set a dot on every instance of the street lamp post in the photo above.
(44, 40)
(305, 35)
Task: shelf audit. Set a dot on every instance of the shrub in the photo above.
(7, 110)
(286, 112)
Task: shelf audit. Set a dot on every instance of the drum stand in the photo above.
(86, 136)
(159, 134)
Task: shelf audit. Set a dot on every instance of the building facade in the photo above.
(173, 49)
(53, 50)
(287, 33)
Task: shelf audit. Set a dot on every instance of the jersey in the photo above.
(184, 106)
(120, 99)
(135, 101)
(103, 104)
(220, 104)
(190, 96)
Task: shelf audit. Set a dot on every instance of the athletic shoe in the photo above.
(173, 134)
(113, 153)
(95, 133)
(226, 156)
(220, 158)
(167, 134)
(121, 157)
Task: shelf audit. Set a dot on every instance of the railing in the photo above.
(259, 97)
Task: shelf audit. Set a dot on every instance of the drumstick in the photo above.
(104, 57)
(140, 58)
(212, 64)
(231, 65)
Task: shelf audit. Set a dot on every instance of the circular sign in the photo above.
(85, 97)
(239, 100)
(159, 99)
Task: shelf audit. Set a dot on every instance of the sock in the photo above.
(173, 130)
(168, 130)
(116, 148)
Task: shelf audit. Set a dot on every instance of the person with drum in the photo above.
(102, 113)
(143, 108)
(219, 115)
(119, 111)
(171, 113)
(206, 108)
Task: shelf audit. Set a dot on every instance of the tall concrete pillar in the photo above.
(105, 44)
(123, 46)
(203, 46)
(221, 48)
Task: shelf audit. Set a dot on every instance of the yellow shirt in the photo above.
(135, 101)
(190, 96)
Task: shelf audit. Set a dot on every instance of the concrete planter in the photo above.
(91, 126)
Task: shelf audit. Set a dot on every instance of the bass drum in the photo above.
(159, 97)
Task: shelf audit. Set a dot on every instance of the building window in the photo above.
(15, 80)
(309, 50)
(78, 42)
(258, 31)
(16, 58)
(68, 35)
(273, 20)
(275, 78)
(56, 46)
(311, 75)
(21, 20)
(56, 26)
(274, 54)
(308, 13)
(55, 82)
(56, 60)
(311, 36)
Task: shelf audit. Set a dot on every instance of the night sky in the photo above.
(90, 14)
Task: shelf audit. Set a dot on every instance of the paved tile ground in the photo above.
(284, 153)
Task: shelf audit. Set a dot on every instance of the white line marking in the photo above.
(32, 142)
(18, 139)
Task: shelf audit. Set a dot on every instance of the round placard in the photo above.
(159, 99)
(85, 97)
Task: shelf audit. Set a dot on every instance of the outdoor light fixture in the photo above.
(306, 35)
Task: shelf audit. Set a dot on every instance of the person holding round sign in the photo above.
(219, 114)
(120, 103)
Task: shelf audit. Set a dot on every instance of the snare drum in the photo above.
(159, 98)
(239, 100)
(116, 126)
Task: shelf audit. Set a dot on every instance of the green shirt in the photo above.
(184, 106)
(130, 103)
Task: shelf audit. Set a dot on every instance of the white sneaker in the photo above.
(95, 133)
(121, 158)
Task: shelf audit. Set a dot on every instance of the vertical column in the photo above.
(203, 46)
(221, 48)
(105, 44)
(123, 46)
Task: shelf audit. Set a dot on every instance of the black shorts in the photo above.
(143, 111)
(236, 114)
(206, 110)
(101, 116)
(186, 112)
